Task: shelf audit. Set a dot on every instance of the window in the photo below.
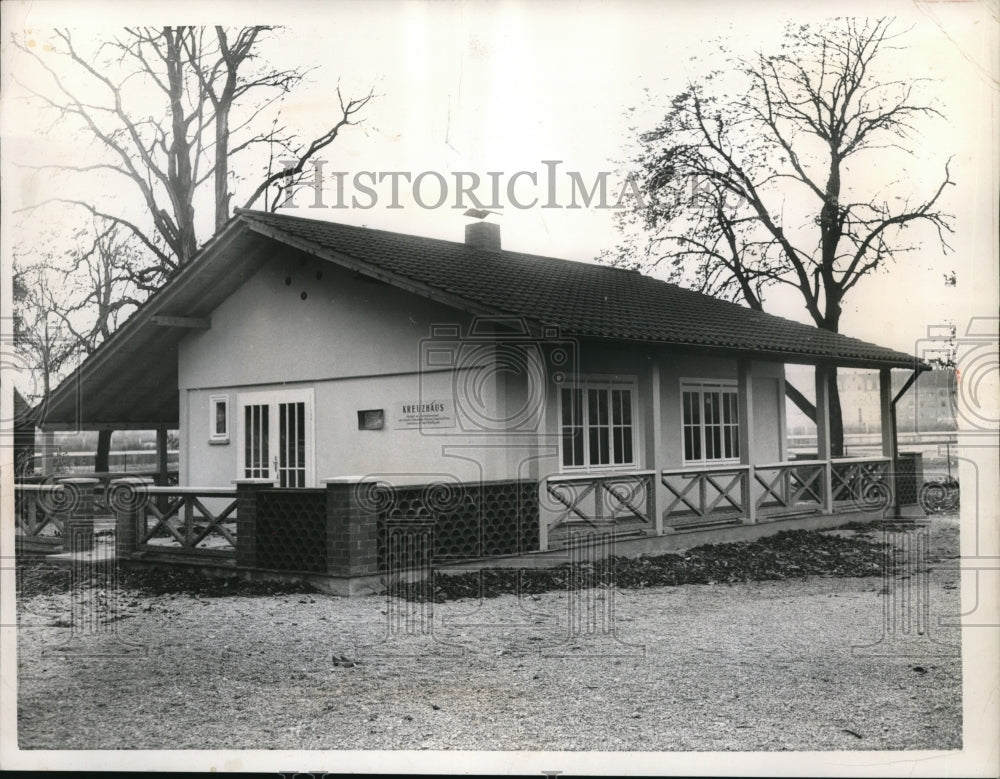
(276, 437)
(596, 425)
(218, 419)
(711, 422)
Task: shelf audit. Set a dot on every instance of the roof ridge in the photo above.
(509, 252)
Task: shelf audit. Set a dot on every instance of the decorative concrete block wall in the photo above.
(469, 520)
(291, 530)
(343, 529)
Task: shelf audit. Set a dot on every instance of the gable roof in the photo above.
(131, 380)
(581, 299)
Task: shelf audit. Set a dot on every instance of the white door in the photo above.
(276, 437)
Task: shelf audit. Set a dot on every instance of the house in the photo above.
(299, 353)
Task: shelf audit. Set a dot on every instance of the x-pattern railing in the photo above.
(860, 481)
(36, 507)
(790, 484)
(703, 492)
(594, 499)
(196, 521)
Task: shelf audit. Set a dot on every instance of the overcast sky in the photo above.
(506, 86)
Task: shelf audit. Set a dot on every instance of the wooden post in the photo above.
(890, 446)
(656, 432)
(48, 452)
(744, 372)
(162, 472)
(824, 452)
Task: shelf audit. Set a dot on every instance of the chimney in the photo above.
(483, 235)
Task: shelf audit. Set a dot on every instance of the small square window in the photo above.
(218, 419)
(371, 419)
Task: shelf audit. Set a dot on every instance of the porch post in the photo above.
(48, 453)
(744, 373)
(890, 447)
(162, 477)
(657, 436)
(824, 451)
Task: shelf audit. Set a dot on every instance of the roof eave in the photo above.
(903, 362)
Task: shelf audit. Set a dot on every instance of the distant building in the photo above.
(928, 405)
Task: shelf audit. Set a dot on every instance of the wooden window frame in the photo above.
(605, 383)
(214, 436)
(722, 387)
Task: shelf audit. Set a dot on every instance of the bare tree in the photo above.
(159, 102)
(65, 307)
(770, 184)
(38, 340)
(99, 289)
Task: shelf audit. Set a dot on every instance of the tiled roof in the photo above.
(582, 299)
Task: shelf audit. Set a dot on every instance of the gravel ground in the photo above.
(757, 665)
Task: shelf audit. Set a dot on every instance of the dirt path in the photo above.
(750, 666)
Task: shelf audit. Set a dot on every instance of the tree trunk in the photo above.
(221, 165)
(179, 172)
(103, 456)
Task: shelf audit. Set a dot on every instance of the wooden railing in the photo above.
(102, 505)
(796, 486)
(706, 493)
(37, 509)
(602, 499)
(178, 519)
(770, 490)
(864, 481)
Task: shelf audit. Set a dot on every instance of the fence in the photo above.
(342, 529)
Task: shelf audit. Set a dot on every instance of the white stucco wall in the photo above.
(359, 345)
